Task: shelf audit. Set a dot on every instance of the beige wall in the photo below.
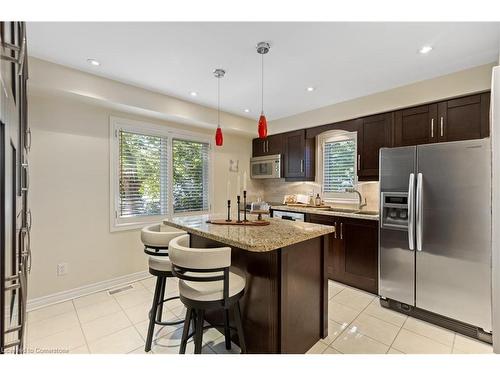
(455, 84)
(69, 194)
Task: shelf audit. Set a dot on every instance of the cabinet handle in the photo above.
(335, 233)
(341, 231)
(27, 141)
(264, 147)
(359, 162)
(27, 178)
(267, 146)
(432, 128)
(441, 125)
(301, 165)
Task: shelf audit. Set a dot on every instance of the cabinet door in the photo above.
(415, 126)
(334, 245)
(274, 145)
(359, 254)
(464, 118)
(258, 147)
(295, 154)
(376, 132)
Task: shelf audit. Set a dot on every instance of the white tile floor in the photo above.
(103, 323)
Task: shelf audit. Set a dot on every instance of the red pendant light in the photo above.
(262, 49)
(219, 138)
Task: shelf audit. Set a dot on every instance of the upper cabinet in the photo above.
(299, 156)
(272, 145)
(450, 120)
(415, 126)
(375, 132)
(464, 118)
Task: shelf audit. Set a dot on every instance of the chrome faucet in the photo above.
(361, 204)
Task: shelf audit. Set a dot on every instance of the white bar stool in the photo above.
(205, 282)
(156, 238)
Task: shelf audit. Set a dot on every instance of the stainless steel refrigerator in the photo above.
(435, 234)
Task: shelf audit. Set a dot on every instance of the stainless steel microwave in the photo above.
(268, 166)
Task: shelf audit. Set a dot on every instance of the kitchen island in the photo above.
(285, 307)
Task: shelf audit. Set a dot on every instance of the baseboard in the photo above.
(36, 303)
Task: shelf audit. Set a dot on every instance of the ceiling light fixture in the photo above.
(425, 50)
(246, 110)
(310, 89)
(193, 93)
(93, 62)
(219, 139)
(262, 49)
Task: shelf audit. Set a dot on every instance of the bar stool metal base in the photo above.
(156, 310)
(196, 311)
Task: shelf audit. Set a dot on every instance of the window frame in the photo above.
(333, 136)
(140, 127)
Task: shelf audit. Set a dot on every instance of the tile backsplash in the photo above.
(273, 190)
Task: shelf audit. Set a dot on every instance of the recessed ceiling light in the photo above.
(193, 93)
(310, 89)
(425, 49)
(93, 62)
(246, 110)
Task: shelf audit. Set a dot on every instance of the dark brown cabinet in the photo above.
(375, 133)
(464, 118)
(272, 145)
(415, 126)
(299, 156)
(353, 251)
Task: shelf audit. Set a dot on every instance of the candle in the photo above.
(245, 180)
(228, 190)
(238, 188)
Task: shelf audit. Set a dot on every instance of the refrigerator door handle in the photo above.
(411, 212)
(418, 212)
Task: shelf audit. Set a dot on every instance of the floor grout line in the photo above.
(81, 327)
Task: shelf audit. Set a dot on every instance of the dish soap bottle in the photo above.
(317, 201)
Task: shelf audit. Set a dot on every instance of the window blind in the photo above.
(339, 158)
(142, 174)
(190, 175)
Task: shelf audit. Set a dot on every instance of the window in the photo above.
(156, 172)
(337, 164)
(190, 175)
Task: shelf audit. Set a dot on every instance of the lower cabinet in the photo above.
(353, 251)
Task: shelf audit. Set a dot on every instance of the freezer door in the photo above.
(396, 259)
(453, 261)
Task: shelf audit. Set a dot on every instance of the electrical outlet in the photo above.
(62, 269)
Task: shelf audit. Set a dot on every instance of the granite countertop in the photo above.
(312, 210)
(279, 233)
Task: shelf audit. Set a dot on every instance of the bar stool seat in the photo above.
(206, 283)
(212, 290)
(159, 263)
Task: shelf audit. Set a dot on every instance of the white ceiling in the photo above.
(341, 60)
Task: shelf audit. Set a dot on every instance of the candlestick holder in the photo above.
(238, 201)
(228, 210)
(245, 205)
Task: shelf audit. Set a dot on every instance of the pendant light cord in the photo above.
(262, 86)
(218, 102)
